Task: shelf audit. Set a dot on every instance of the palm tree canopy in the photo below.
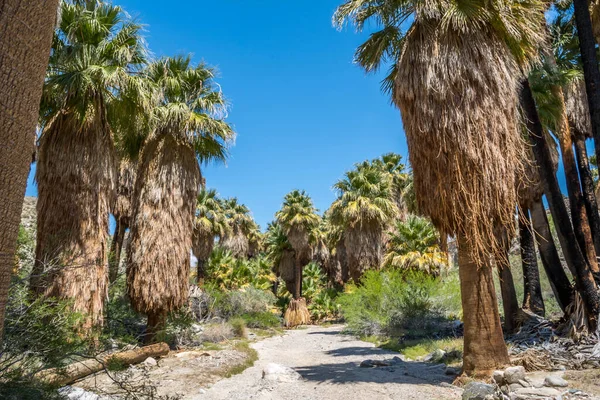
(516, 23)
(238, 216)
(298, 212)
(364, 196)
(97, 51)
(190, 106)
(414, 245)
(210, 216)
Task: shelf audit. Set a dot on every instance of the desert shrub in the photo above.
(249, 300)
(219, 332)
(393, 302)
(238, 325)
(261, 320)
(38, 334)
(324, 305)
(122, 324)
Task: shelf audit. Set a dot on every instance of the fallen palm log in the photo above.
(81, 369)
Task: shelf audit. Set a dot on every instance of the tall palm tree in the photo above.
(364, 208)
(122, 212)
(24, 25)
(455, 82)
(241, 225)
(210, 221)
(282, 255)
(96, 49)
(414, 245)
(298, 218)
(189, 128)
(585, 284)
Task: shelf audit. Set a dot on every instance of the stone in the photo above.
(535, 393)
(398, 360)
(75, 393)
(280, 373)
(367, 364)
(437, 355)
(379, 363)
(555, 381)
(515, 386)
(514, 374)
(452, 371)
(150, 362)
(478, 391)
(498, 377)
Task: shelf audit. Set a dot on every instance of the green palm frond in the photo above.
(210, 216)
(298, 211)
(413, 245)
(190, 106)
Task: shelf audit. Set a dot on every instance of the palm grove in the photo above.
(484, 89)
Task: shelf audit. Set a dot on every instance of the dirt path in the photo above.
(329, 364)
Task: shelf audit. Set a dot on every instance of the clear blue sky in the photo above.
(304, 113)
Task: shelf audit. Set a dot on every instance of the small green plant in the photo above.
(239, 327)
(261, 320)
(251, 357)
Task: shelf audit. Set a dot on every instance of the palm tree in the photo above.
(24, 25)
(122, 212)
(589, 58)
(96, 49)
(282, 255)
(241, 224)
(189, 128)
(298, 217)
(584, 279)
(392, 164)
(414, 246)
(210, 222)
(364, 208)
(455, 82)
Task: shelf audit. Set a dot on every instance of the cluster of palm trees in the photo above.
(368, 226)
(120, 133)
(482, 89)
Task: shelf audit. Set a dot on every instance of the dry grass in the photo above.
(587, 380)
(216, 333)
(158, 257)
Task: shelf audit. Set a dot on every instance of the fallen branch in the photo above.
(81, 369)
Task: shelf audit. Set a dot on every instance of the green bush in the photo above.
(244, 301)
(261, 320)
(392, 303)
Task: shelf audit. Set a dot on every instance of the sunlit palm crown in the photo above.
(364, 196)
(238, 216)
(96, 53)
(516, 23)
(298, 211)
(190, 106)
(210, 216)
(414, 245)
(276, 242)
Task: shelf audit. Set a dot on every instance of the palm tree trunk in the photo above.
(587, 185)
(510, 304)
(581, 225)
(157, 322)
(587, 46)
(561, 286)
(26, 29)
(298, 281)
(532, 296)
(200, 272)
(115, 251)
(541, 151)
(484, 346)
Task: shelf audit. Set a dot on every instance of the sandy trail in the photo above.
(329, 364)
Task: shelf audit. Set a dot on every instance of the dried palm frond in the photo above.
(158, 256)
(296, 314)
(577, 108)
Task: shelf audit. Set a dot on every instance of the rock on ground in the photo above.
(478, 391)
